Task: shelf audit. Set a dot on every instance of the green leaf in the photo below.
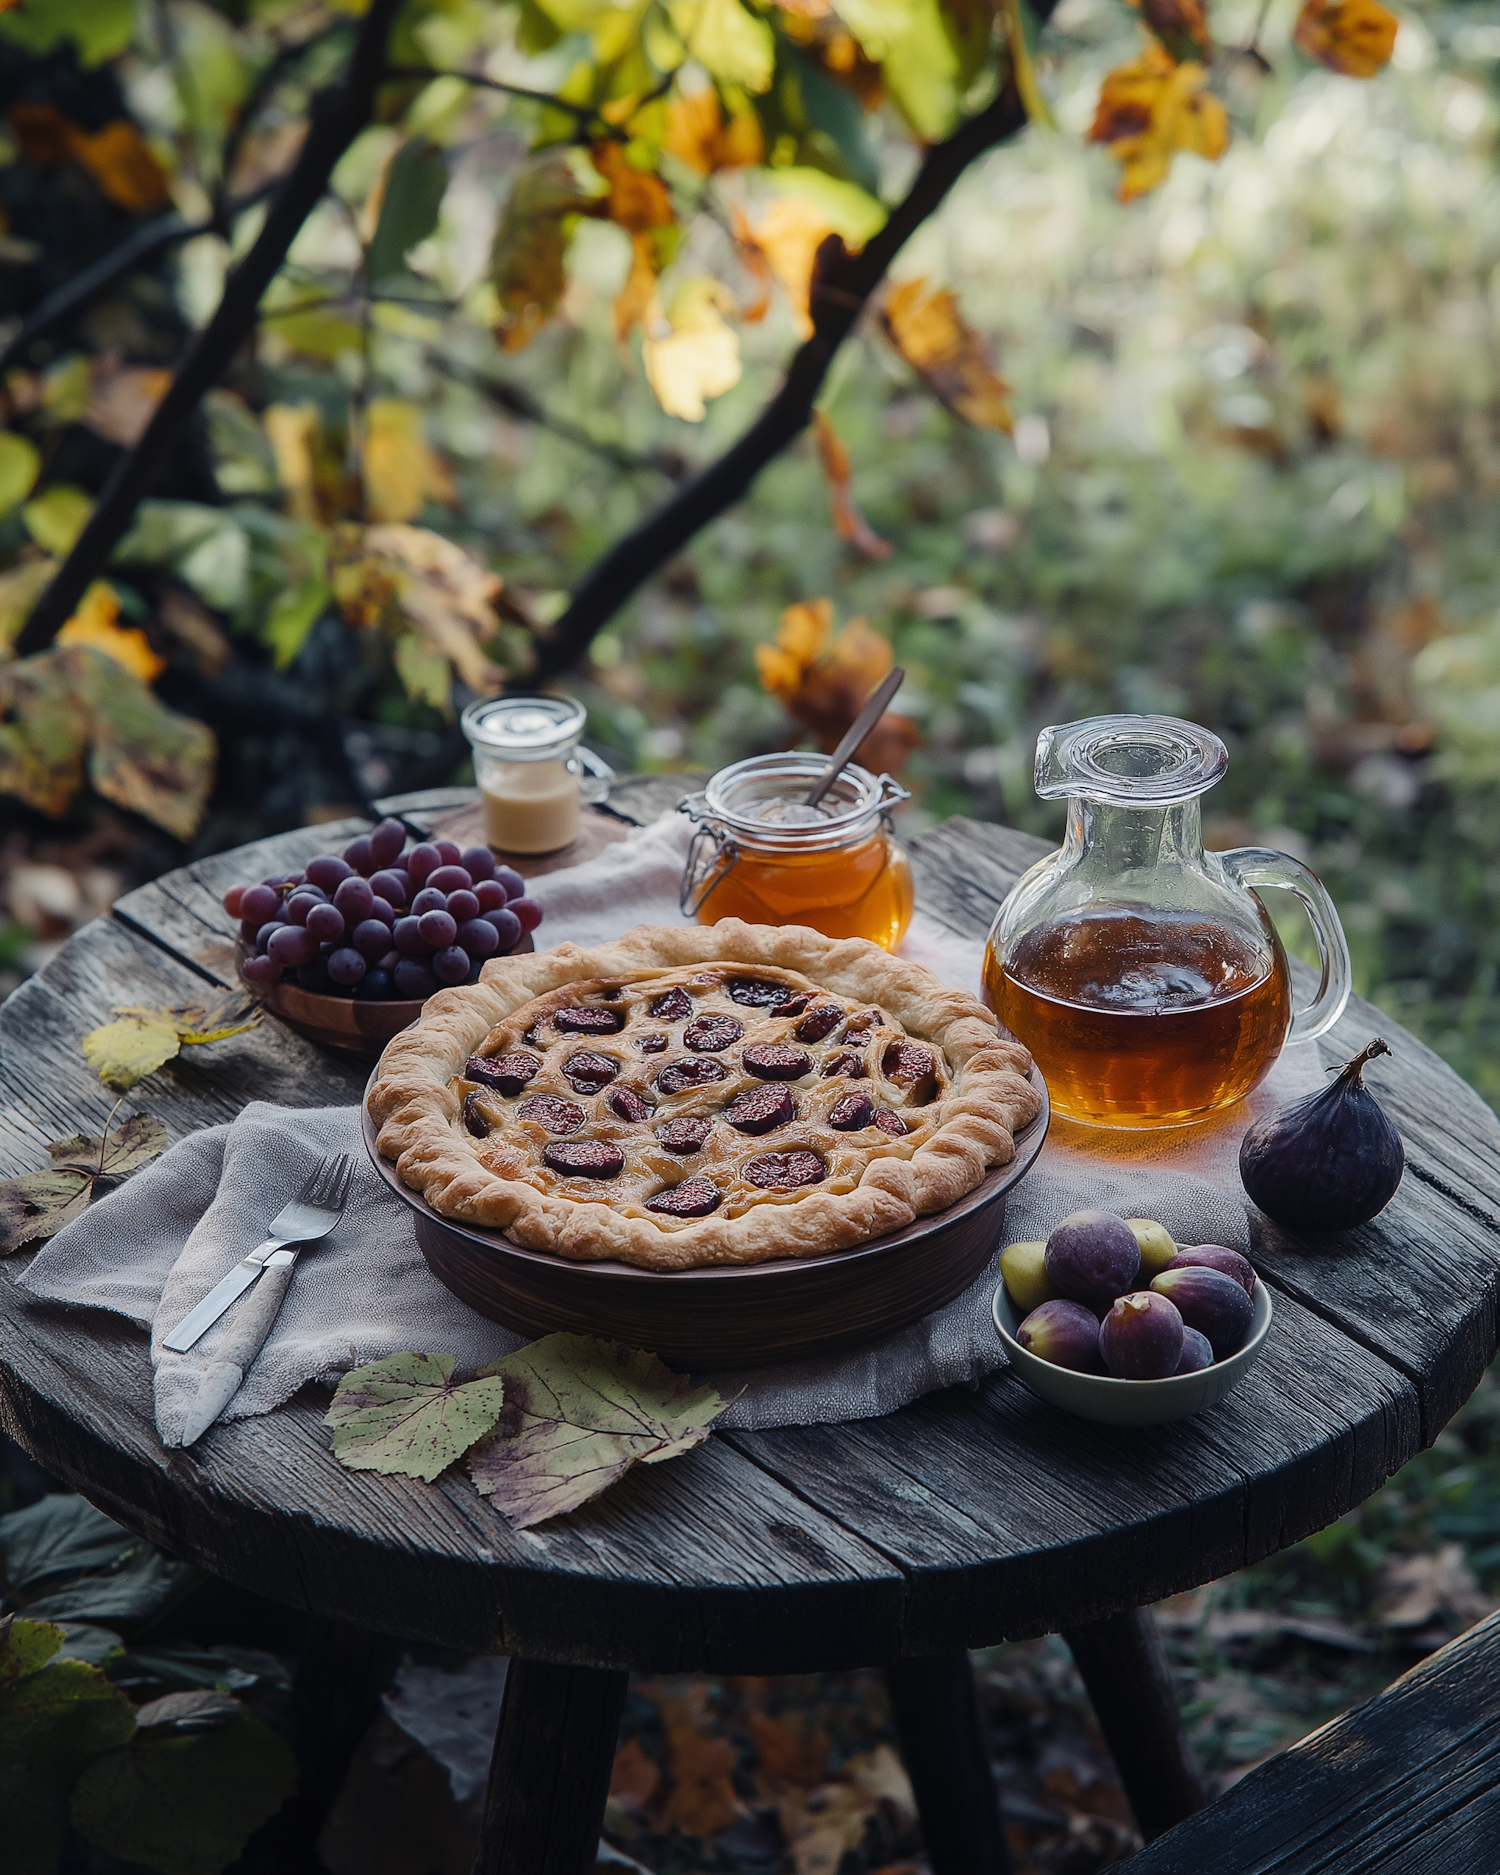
(59, 1535)
(20, 589)
(99, 28)
(579, 1412)
(839, 115)
(316, 334)
(124, 1052)
(25, 1646)
(55, 519)
(83, 1641)
(144, 1585)
(425, 673)
(415, 185)
(20, 464)
(52, 1723)
(404, 1415)
(205, 547)
(728, 41)
(185, 1801)
(293, 614)
(850, 212)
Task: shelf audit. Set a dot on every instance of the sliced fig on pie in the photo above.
(694, 1197)
(585, 1158)
(685, 1136)
(847, 1064)
(891, 1123)
(587, 1072)
(507, 1074)
(588, 1019)
(776, 1061)
(709, 1034)
(819, 1023)
(551, 1112)
(626, 1104)
(785, 1171)
(760, 1109)
(672, 1006)
(678, 1076)
(852, 1114)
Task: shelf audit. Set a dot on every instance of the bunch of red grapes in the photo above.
(381, 924)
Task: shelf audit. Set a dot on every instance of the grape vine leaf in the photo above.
(37, 1205)
(579, 1412)
(404, 1415)
(185, 1793)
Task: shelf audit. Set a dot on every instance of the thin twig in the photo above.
(583, 113)
(338, 113)
(842, 284)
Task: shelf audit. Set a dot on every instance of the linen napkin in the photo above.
(151, 1249)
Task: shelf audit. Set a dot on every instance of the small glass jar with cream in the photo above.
(532, 775)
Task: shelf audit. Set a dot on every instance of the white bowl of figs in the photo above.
(1112, 1320)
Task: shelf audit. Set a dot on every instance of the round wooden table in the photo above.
(968, 1518)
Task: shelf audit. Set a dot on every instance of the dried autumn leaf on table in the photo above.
(400, 471)
(698, 135)
(579, 1412)
(697, 356)
(526, 260)
(405, 1416)
(1355, 37)
(1150, 110)
(37, 1205)
(143, 1040)
(927, 328)
(823, 681)
(96, 623)
(848, 522)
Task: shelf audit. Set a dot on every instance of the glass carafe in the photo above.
(1142, 972)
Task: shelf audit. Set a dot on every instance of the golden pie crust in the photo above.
(925, 1058)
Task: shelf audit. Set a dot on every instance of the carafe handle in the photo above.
(1262, 865)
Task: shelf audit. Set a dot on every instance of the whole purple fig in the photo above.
(1064, 1333)
(1141, 1337)
(1216, 1256)
(1211, 1302)
(1092, 1257)
(1197, 1352)
(1328, 1162)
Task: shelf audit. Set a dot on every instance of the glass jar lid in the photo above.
(524, 729)
(760, 802)
(1128, 761)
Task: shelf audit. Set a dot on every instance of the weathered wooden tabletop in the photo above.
(967, 1518)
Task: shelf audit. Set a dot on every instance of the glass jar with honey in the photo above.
(759, 853)
(1141, 971)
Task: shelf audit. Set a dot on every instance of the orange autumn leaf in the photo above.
(698, 136)
(1355, 37)
(634, 306)
(637, 200)
(849, 523)
(115, 156)
(96, 623)
(823, 681)
(788, 235)
(700, 1798)
(1150, 110)
(927, 328)
(1181, 25)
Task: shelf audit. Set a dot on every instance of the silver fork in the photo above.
(310, 1216)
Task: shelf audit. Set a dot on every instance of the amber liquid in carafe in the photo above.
(1143, 1018)
(862, 891)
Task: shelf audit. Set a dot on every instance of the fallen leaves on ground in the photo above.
(405, 1415)
(692, 355)
(1355, 37)
(823, 680)
(579, 1412)
(71, 709)
(1416, 1587)
(96, 623)
(925, 325)
(37, 1205)
(849, 523)
(1151, 109)
(142, 1040)
(114, 156)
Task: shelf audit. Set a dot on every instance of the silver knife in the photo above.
(198, 1320)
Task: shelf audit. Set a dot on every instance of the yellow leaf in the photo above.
(789, 234)
(291, 430)
(1150, 110)
(849, 523)
(824, 683)
(55, 519)
(124, 1052)
(926, 327)
(698, 357)
(728, 41)
(19, 466)
(1355, 37)
(96, 623)
(698, 136)
(638, 295)
(400, 471)
(444, 593)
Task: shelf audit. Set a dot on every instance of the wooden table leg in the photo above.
(1135, 1701)
(948, 1761)
(549, 1777)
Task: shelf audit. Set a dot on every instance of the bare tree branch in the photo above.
(337, 114)
(842, 284)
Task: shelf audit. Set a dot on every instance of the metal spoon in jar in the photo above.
(876, 706)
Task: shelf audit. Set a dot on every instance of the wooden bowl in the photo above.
(742, 1316)
(340, 1021)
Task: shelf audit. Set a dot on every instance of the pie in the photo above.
(700, 1095)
